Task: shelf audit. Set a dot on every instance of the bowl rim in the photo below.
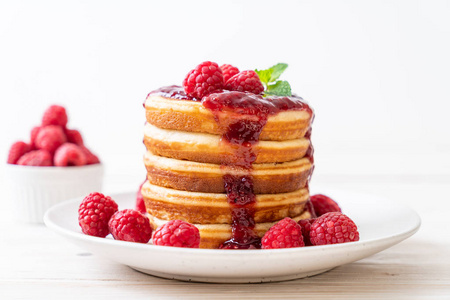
(54, 169)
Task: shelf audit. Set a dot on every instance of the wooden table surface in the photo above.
(36, 263)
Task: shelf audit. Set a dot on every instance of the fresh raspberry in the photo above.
(131, 226)
(90, 157)
(228, 71)
(17, 150)
(140, 204)
(333, 228)
(50, 138)
(245, 81)
(40, 158)
(33, 134)
(74, 137)
(324, 204)
(55, 115)
(177, 233)
(69, 155)
(305, 224)
(284, 234)
(310, 208)
(94, 213)
(205, 79)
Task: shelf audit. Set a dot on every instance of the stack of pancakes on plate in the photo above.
(199, 157)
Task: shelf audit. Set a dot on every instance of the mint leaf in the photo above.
(264, 75)
(269, 79)
(277, 70)
(280, 88)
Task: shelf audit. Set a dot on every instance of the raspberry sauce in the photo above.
(172, 91)
(248, 113)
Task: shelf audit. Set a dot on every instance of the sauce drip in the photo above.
(244, 116)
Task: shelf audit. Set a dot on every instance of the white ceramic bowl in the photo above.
(33, 190)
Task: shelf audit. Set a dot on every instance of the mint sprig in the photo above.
(279, 88)
(269, 78)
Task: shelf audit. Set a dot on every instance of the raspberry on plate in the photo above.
(228, 71)
(94, 213)
(310, 208)
(74, 137)
(245, 81)
(305, 224)
(37, 158)
(324, 204)
(284, 234)
(50, 138)
(140, 204)
(55, 115)
(177, 233)
(205, 79)
(69, 155)
(333, 228)
(131, 226)
(17, 150)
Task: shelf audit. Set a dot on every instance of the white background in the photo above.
(377, 73)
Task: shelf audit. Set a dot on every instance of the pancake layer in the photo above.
(270, 178)
(192, 116)
(213, 208)
(213, 235)
(207, 148)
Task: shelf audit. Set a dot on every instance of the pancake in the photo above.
(213, 235)
(232, 163)
(192, 116)
(213, 208)
(207, 148)
(270, 178)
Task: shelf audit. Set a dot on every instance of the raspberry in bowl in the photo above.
(53, 166)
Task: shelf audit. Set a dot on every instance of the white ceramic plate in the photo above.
(382, 224)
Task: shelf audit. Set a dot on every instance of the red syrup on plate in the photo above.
(249, 113)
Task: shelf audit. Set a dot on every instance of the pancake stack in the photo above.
(232, 164)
